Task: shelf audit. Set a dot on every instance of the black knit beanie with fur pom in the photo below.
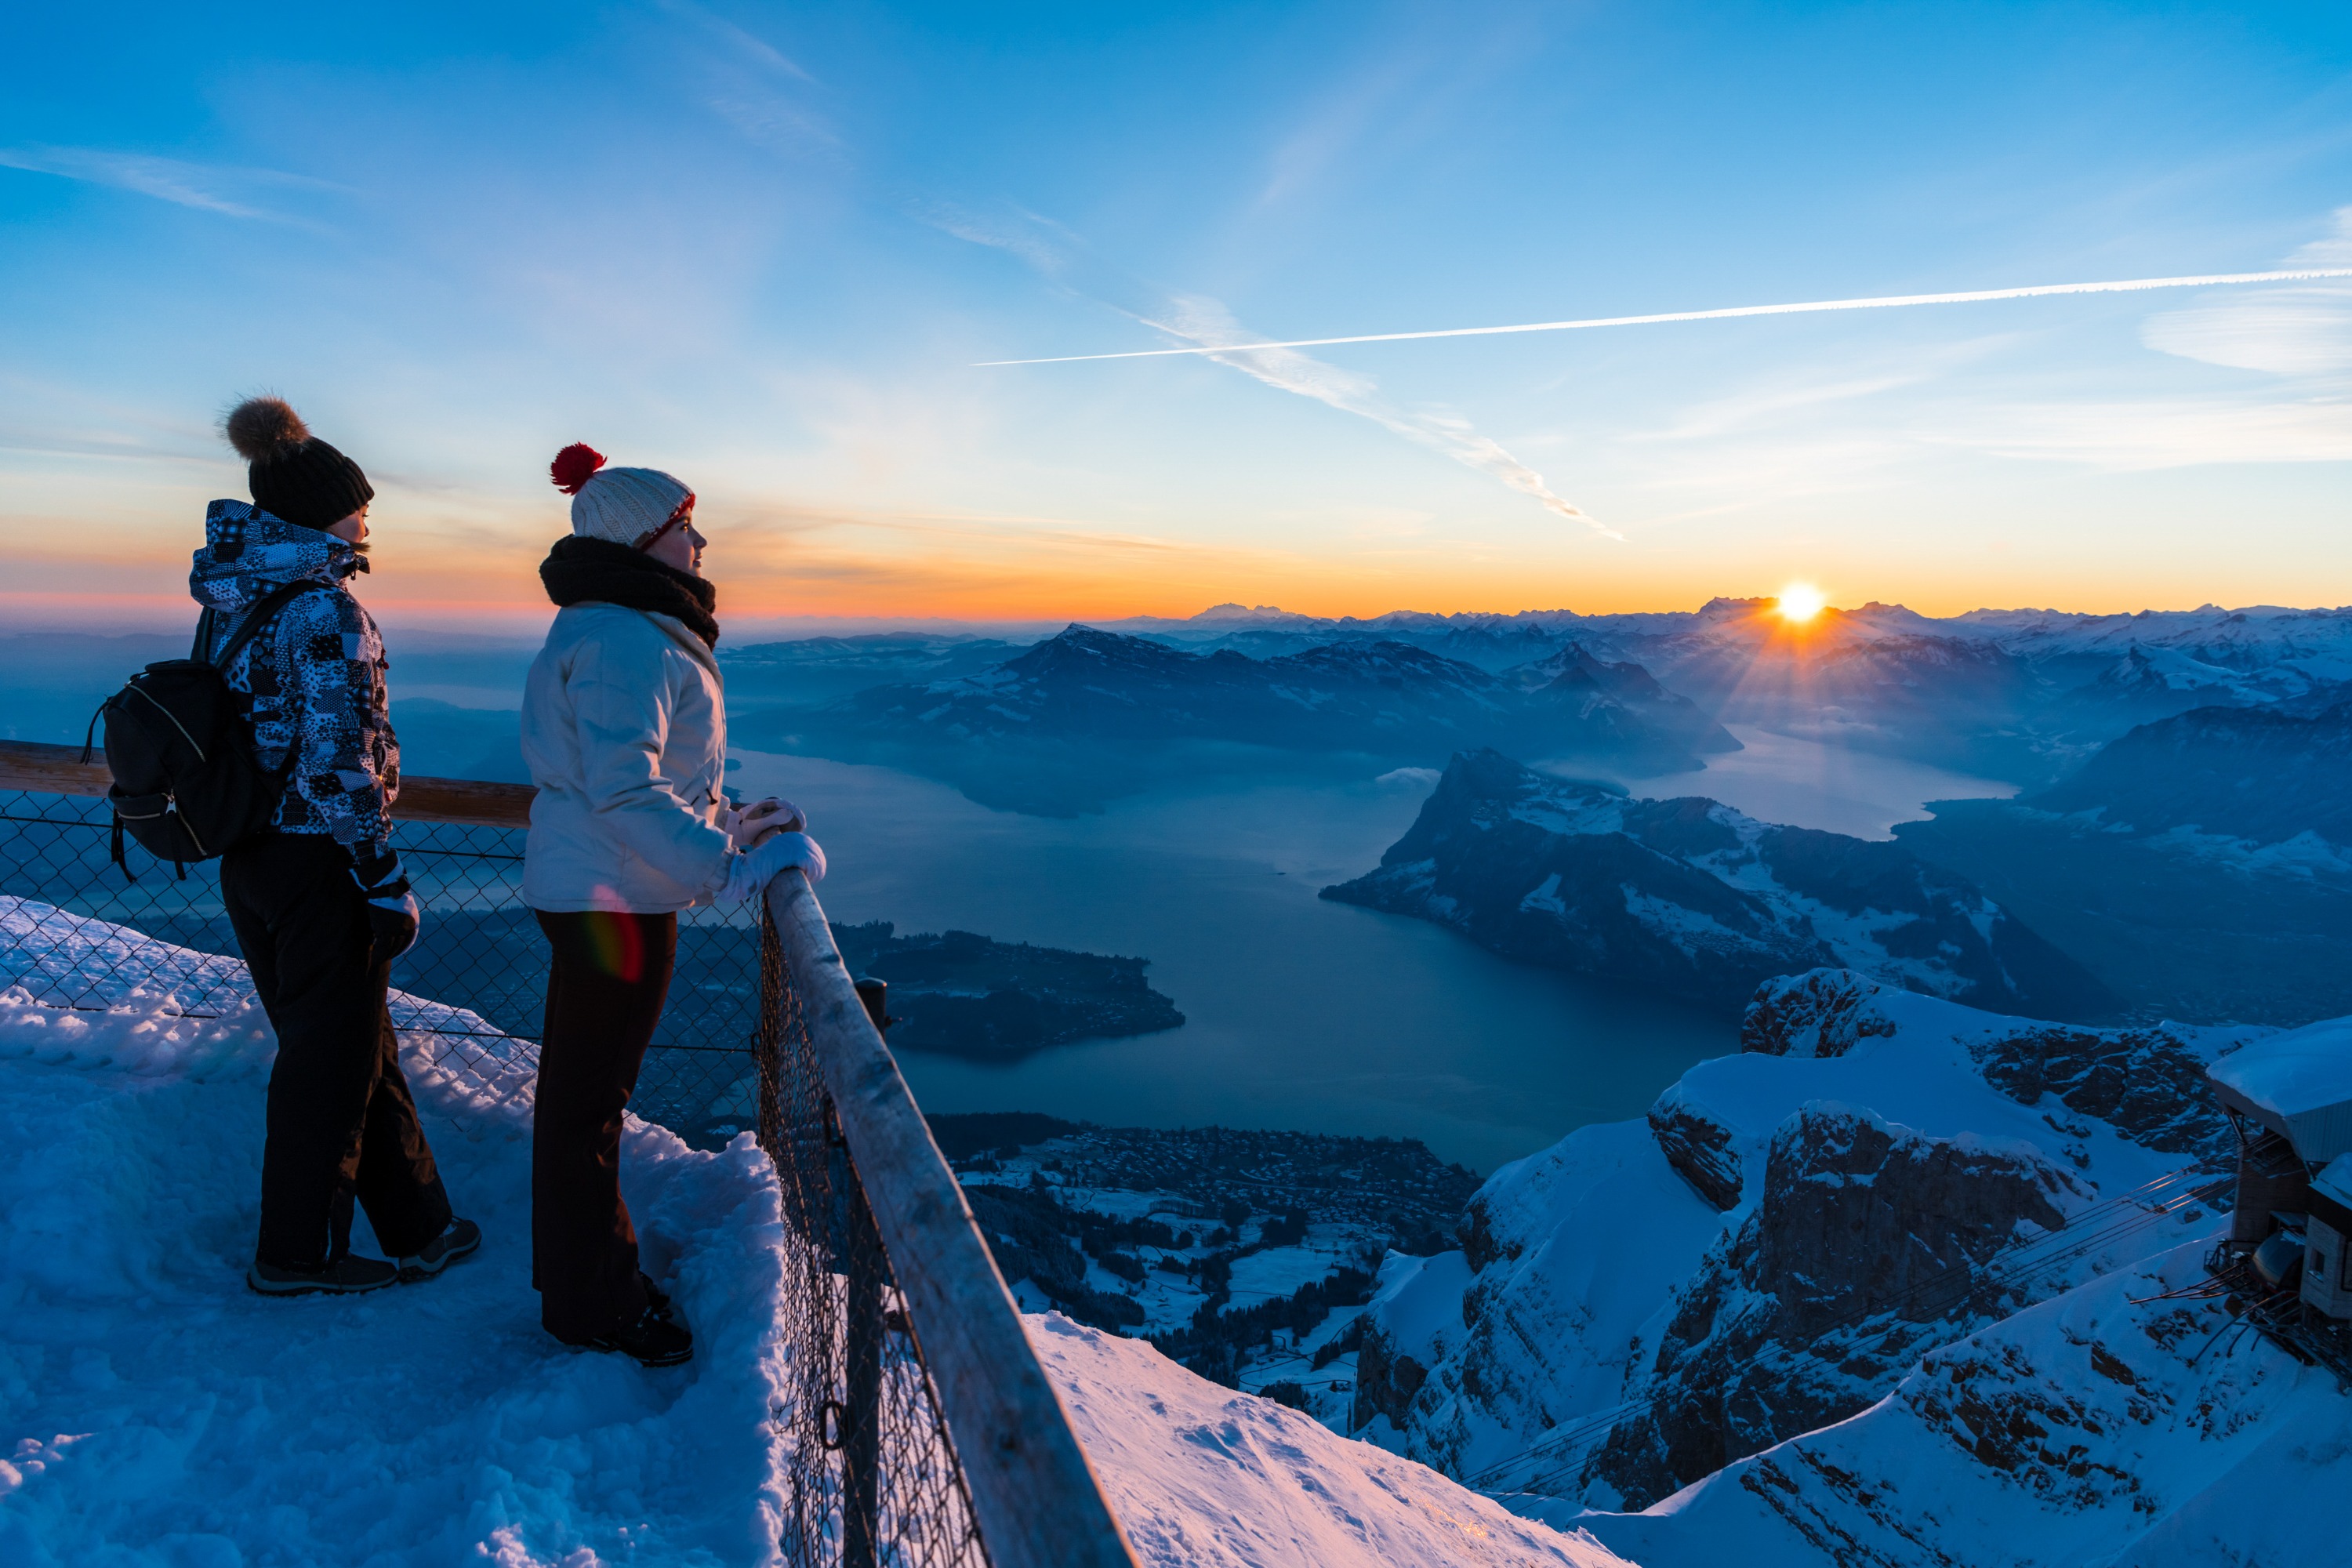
(293, 474)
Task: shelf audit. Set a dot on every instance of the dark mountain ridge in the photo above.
(1089, 693)
(1691, 897)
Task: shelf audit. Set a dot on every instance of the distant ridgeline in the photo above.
(964, 995)
(2200, 866)
(1090, 714)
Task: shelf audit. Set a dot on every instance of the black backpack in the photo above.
(186, 783)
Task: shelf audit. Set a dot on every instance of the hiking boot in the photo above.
(459, 1238)
(652, 1340)
(657, 1300)
(345, 1276)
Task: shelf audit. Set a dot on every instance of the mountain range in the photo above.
(1092, 710)
(2023, 695)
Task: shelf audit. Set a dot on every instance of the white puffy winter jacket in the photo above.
(624, 729)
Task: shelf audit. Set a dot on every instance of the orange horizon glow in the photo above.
(822, 567)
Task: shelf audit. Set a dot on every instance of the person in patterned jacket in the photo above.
(320, 903)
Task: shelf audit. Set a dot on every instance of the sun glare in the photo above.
(1801, 602)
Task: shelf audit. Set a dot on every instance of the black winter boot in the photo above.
(652, 1340)
(459, 1238)
(345, 1276)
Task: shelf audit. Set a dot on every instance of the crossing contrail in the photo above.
(1883, 302)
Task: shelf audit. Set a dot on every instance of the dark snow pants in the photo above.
(342, 1125)
(605, 988)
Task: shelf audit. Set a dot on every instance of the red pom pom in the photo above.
(573, 465)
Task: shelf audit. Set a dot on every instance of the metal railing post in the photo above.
(861, 1455)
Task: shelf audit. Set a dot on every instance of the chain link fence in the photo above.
(877, 1480)
(469, 995)
(874, 1475)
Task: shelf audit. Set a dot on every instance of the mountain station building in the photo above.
(2290, 1097)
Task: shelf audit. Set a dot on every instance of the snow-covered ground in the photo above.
(1246, 1481)
(153, 1411)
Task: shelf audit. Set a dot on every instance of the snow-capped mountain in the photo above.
(1696, 899)
(1780, 1245)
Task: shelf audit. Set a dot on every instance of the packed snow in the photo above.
(158, 1413)
(1203, 1476)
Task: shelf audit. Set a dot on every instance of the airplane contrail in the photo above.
(2124, 285)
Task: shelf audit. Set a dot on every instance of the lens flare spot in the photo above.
(1801, 602)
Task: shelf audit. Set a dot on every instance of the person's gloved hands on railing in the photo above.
(393, 914)
(749, 874)
(749, 826)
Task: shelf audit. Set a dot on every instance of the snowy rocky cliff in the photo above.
(1692, 898)
(1794, 1234)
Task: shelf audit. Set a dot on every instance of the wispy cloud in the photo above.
(205, 186)
(746, 43)
(745, 91)
(2305, 330)
(1208, 328)
(1208, 323)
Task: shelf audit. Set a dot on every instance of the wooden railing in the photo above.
(59, 769)
(1033, 1497)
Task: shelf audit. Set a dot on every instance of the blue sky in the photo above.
(763, 245)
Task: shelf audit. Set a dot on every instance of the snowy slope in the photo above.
(2094, 1428)
(153, 1411)
(1205, 1478)
(1764, 1254)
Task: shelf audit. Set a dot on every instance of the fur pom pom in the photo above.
(573, 465)
(264, 427)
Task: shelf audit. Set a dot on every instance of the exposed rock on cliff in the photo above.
(1690, 897)
(1800, 1317)
(1703, 1153)
(2086, 1429)
(1785, 1236)
(1821, 1014)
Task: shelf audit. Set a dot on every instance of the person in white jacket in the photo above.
(625, 730)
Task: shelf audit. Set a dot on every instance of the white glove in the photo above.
(748, 824)
(747, 875)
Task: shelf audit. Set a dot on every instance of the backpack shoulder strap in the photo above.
(270, 604)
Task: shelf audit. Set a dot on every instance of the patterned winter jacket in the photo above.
(312, 679)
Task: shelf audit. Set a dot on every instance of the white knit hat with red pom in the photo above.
(623, 505)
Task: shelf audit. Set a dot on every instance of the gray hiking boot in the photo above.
(345, 1276)
(459, 1238)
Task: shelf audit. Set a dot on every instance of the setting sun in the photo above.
(1801, 602)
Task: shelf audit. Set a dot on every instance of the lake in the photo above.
(1300, 1014)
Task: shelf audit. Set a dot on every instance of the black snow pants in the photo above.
(342, 1125)
(604, 993)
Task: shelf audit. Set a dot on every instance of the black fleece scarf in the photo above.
(579, 568)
